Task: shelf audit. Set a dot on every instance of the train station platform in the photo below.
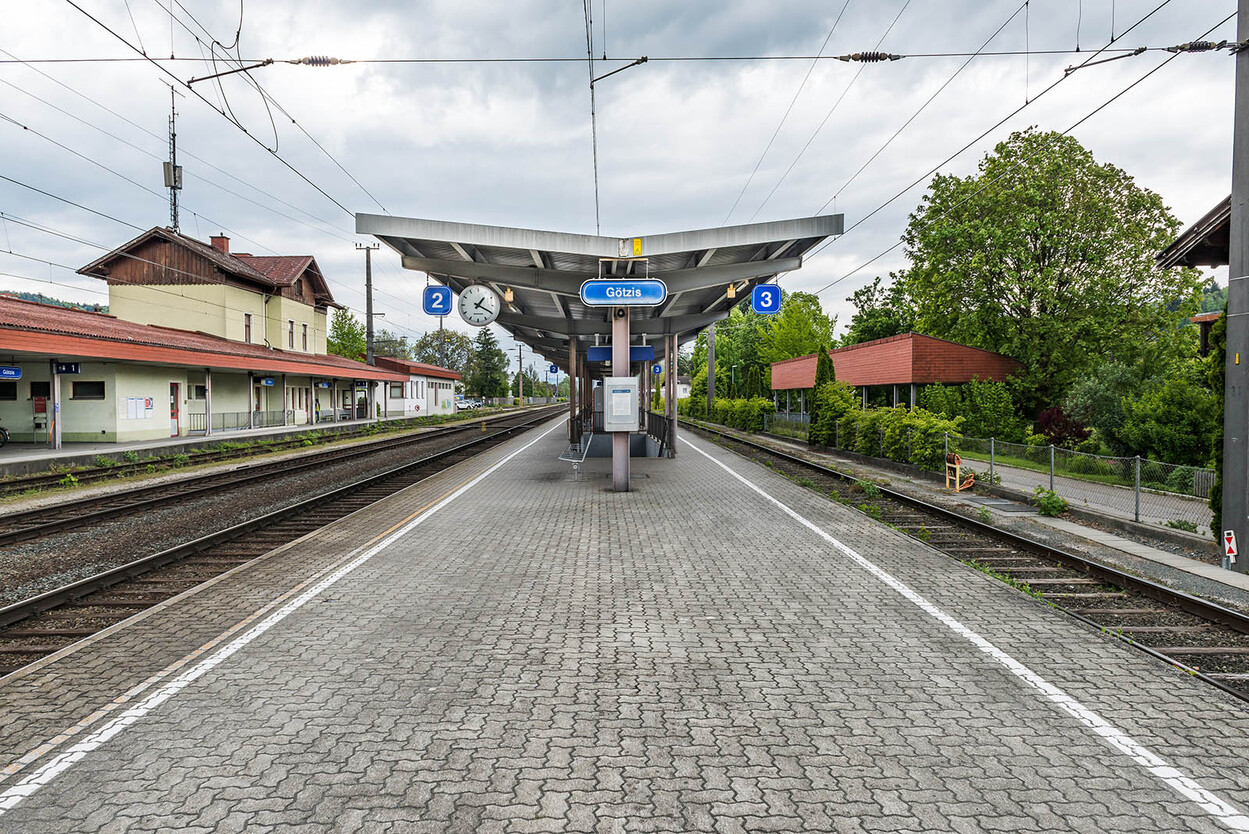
(505, 648)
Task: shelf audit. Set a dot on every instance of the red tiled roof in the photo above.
(408, 366)
(280, 269)
(1202, 318)
(26, 326)
(898, 360)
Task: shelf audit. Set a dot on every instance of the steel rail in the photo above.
(66, 594)
(183, 489)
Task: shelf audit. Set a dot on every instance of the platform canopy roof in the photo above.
(545, 270)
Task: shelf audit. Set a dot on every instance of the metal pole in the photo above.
(1051, 467)
(56, 407)
(520, 375)
(368, 299)
(992, 450)
(945, 449)
(574, 432)
(711, 366)
(1137, 489)
(671, 369)
(619, 367)
(1236, 396)
(208, 402)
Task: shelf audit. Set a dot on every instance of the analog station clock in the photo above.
(479, 305)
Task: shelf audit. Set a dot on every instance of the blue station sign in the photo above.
(554, 369)
(624, 292)
(436, 301)
(765, 299)
(10, 372)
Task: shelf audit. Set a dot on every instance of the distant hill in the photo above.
(56, 302)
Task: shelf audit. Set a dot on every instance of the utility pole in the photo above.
(368, 299)
(173, 171)
(520, 375)
(1236, 396)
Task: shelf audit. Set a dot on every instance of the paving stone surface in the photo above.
(544, 655)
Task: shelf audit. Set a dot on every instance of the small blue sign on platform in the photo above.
(10, 372)
(624, 292)
(436, 301)
(554, 369)
(765, 299)
(637, 353)
(657, 369)
(267, 381)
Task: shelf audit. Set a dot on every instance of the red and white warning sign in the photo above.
(1229, 542)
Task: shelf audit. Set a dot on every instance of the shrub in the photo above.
(69, 480)
(104, 462)
(131, 456)
(831, 402)
(1060, 428)
(916, 436)
(1048, 502)
(1084, 465)
(1181, 524)
(181, 459)
(987, 408)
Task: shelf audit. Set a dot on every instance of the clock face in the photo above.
(479, 305)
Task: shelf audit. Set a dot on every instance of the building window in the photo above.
(199, 392)
(247, 327)
(8, 390)
(290, 334)
(41, 389)
(396, 390)
(87, 390)
(305, 338)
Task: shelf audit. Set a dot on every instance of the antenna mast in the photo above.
(173, 171)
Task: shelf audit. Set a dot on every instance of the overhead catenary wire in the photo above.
(968, 145)
(1018, 163)
(157, 64)
(829, 114)
(784, 117)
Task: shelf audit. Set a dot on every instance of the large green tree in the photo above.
(799, 329)
(1046, 256)
(487, 372)
(346, 336)
(445, 348)
(879, 312)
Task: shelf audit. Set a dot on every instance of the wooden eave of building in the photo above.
(1205, 243)
(140, 269)
(415, 368)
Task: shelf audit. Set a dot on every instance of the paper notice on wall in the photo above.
(621, 402)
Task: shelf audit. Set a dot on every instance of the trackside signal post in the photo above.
(1236, 398)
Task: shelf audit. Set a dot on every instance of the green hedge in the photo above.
(747, 414)
(900, 434)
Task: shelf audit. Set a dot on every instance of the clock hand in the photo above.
(479, 304)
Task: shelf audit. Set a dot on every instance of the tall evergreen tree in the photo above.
(487, 375)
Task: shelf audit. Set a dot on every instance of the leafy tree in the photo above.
(1173, 421)
(832, 401)
(799, 329)
(386, 343)
(346, 336)
(1048, 257)
(824, 374)
(487, 372)
(879, 312)
(1213, 297)
(986, 408)
(445, 348)
(1097, 399)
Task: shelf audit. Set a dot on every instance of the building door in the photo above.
(173, 409)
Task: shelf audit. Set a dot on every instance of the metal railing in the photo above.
(658, 426)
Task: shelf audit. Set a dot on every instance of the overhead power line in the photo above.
(1021, 161)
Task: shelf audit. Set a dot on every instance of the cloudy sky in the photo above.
(509, 142)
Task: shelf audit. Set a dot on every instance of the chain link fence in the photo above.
(1150, 491)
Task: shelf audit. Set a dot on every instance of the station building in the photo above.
(197, 340)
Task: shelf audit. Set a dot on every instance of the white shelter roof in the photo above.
(545, 270)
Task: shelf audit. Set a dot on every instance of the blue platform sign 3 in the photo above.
(10, 372)
(436, 301)
(765, 299)
(625, 292)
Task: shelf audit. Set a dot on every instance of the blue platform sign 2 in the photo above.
(554, 369)
(765, 299)
(625, 292)
(10, 372)
(436, 301)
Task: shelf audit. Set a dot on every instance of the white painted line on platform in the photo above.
(1179, 782)
(58, 765)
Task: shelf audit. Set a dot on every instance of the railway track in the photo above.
(158, 463)
(52, 621)
(74, 514)
(1204, 638)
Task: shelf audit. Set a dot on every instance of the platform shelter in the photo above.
(541, 278)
